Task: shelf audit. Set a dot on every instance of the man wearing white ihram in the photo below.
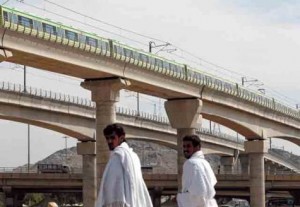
(122, 184)
(198, 179)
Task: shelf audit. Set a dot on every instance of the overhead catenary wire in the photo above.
(106, 23)
(20, 70)
(133, 32)
(5, 2)
(208, 64)
(84, 23)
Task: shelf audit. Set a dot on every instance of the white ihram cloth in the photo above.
(122, 182)
(198, 181)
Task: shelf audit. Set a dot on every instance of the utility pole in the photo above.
(66, 148)
(138, 103)
(162, 46)
(28, 126)
(251, 82)
(25, 90)
(151, 46)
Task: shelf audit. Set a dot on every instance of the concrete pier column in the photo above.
(89, 183)
(256, 150)
(227, 162)
(105, 92)
(8, 196)
(18, 199)
(184, 115)
(296, 196)
(244, 160)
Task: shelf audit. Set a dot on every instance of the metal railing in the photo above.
(296, 165)
(47, 94)
(6, 86)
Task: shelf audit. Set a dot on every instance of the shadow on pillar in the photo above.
(12, 199)
(155, 194)
(244, 162)
(227, 162)
(8, 196)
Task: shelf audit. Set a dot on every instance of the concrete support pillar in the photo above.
(296, 196)
(105, 93)
(227, 162)
(244, 160)
(156, 196)
(256, 150)
(184, 115)
(89, 187)
(8, 196)
(18, 199)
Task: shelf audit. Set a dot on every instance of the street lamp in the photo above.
(251, 81)
(161, 46)
(66, 148)
(28, 126)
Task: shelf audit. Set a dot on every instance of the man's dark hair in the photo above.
(113, 128)
(195, 139)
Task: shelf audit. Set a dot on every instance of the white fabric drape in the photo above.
(122, 184)
(198, 181)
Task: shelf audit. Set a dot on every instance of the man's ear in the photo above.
(122, 138)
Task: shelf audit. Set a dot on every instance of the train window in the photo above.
(190, 73)
(120, 50)
(60, 32)
(71, 35)
(197, 75)
(173, 67)
(82, 38)
(151, 61)
(116, 49)
(180, 69)
(104, 45)
(14, 18)
(24, 21)
(128, 53)
(144, 58)
(91, 41)
(5, 14)
(49, 29)
(158, 63)
(135, 55)
(36, 25)
(166, 65)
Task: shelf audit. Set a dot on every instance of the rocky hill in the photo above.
(162, 159)
(295, 159)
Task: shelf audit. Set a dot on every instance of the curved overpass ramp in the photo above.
(75, 117)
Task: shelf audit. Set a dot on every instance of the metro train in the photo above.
(29, 24)
(15, 20)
